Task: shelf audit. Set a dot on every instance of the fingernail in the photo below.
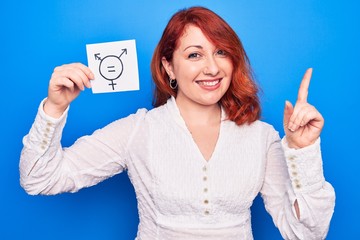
(291, 127)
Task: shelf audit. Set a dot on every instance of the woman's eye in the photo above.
(194, 55)
(221, 52)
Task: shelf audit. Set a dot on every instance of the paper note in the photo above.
(114, 65)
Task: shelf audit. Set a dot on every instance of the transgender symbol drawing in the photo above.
(111, 67)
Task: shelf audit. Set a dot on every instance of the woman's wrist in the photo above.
(53, 110)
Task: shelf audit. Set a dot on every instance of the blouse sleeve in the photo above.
(297, 175)
(48, 168)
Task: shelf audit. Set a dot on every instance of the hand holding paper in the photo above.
(66, 83)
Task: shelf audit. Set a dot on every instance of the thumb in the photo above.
(288, 111)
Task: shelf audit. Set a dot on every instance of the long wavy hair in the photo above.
(240, 102)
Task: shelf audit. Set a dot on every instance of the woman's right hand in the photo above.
(66, 83)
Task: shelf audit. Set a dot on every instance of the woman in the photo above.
(198, 159)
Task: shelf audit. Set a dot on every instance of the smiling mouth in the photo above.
(208, 83)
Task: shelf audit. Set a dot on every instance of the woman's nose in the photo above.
(211, 67)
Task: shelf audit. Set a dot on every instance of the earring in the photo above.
(173, 83)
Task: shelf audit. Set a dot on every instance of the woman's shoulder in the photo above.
(257, 128)
(144, 114)
(263, 125)
(267, 129)
(257, 125)
(155, 113)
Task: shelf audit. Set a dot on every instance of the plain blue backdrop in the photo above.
(282, 39)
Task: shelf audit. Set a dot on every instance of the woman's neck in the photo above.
(195, 114)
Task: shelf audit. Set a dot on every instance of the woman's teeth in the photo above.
(208, 83)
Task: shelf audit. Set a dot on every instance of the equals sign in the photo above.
(111, 68)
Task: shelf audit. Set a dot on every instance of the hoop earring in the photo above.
(173, 83)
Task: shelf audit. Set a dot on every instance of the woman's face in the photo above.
(203, 71)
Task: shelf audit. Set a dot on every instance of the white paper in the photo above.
(114, 65)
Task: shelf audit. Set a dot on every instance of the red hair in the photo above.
(240, 102)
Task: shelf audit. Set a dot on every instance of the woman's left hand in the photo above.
(302, 123)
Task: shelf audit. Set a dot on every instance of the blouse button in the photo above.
(206, 212)
(204, 178)
(206, 201)
(205, 190)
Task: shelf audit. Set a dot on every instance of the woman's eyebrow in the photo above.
(195, 46)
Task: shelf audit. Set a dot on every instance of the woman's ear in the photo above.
(168, 68)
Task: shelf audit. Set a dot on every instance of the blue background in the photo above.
(282, 39)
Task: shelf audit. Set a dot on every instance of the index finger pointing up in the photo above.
(304, 86)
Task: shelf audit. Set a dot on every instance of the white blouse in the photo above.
(181, 195)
